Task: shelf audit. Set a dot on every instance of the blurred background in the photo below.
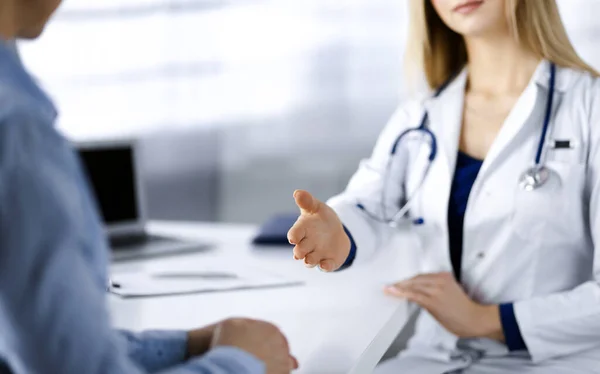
(237, 102)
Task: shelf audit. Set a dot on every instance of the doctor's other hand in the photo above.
(261, 339)
(318, 234)
(442, 296)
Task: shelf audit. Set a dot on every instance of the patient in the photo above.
(53, 254)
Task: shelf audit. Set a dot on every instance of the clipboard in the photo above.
(170, 282)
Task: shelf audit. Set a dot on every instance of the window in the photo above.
(117, 67)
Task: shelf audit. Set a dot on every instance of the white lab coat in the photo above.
(536, 249)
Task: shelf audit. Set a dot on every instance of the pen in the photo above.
(112, 284)
(194, 275)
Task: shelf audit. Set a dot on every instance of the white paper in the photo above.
(163, 282)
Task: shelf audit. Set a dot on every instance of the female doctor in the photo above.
(498, 172)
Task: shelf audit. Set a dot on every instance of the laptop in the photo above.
(114, 174)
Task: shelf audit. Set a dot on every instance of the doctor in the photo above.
(498, 174)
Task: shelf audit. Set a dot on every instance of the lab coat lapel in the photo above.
(528, 111)
(517, 118)
(445, 120)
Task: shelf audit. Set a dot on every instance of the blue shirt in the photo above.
(54, 256)
(465, 174)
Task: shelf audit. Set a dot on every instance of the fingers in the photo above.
(434, 279)
(293, 363)
(398, 290)
(439, 277)
(306, 202)
(412, 295)
(422, 289)
(296, 233)
(304, 248)
(311, 260)
(420, 283)
(328, 265)
(300, 252)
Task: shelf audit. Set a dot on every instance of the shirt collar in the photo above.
(564, 77)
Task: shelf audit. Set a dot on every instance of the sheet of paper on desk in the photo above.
(176, 282)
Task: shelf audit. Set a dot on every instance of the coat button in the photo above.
(480, 255)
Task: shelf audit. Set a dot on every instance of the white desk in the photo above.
(336, 323)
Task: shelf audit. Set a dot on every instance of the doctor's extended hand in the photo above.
(449, 304)
(318, 234)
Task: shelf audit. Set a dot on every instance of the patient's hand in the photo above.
(449, 304)
(199, 340)
(261, 339)
(318, 234)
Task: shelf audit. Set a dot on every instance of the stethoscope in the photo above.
(532, 179)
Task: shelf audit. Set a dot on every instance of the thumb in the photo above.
(306, 202)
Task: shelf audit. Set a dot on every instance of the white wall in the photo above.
(120, 67)
(582, 20)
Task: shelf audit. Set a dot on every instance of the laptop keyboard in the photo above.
(138, 246)
(134, 241)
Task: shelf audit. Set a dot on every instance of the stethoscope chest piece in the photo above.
(534, 177)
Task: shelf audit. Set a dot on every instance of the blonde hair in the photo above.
(440, 52)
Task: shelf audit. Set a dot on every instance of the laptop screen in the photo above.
(111, 171)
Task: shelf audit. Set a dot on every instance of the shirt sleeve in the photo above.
(223, 360)
(510, 327)
(156, 350)
(159, 350)
(52, 306)
(352, 254)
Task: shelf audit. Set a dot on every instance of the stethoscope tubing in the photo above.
(530, 174)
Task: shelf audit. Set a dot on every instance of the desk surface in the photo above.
(336, 323)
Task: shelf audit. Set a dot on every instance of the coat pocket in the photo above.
(548, 213)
